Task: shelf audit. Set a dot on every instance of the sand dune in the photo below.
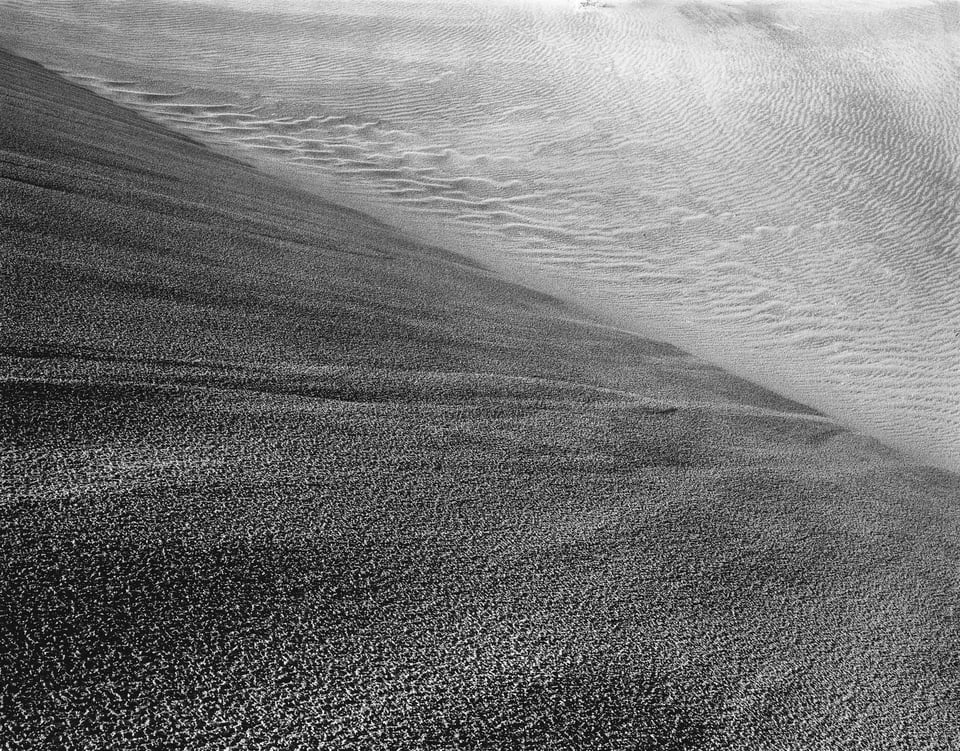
(772, 186)
(273, 474)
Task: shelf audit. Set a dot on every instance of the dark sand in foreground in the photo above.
(273, 475)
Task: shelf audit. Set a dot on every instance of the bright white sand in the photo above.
(771, 186)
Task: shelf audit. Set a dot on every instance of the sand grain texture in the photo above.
(274, 477)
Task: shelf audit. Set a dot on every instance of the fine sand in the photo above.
(273, 476)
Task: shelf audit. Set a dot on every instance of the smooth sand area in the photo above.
(273, 475)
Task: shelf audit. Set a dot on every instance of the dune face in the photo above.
(771, 186)
(274, 476)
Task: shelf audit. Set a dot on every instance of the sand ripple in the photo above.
(773, 187)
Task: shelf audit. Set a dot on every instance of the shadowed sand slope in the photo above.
(273, 475)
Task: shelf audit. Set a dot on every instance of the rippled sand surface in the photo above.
(774, 187)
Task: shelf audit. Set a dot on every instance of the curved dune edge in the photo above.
(273, 474)
(771, 187)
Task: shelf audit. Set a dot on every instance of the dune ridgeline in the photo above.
(274, 476)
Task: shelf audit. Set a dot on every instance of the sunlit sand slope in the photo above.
(273, 475)
(774, 186)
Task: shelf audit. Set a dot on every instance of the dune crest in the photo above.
(769, 185)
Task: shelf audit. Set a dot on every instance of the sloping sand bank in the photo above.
(273, 475)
